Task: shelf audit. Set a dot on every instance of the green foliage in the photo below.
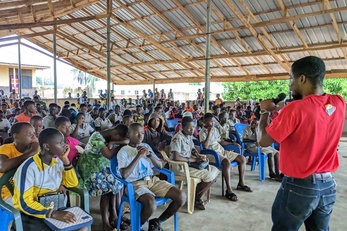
(270, 89)
(48, 81)
(254, 90)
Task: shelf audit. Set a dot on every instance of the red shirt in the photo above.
(309, 135)
(23, 118)
(72, 142)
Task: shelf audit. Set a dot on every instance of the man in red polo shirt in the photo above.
(309, 130)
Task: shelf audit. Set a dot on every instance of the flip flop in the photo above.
(231, 196)
(244, 188)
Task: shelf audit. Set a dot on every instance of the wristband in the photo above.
(149, 155)
(263, 111)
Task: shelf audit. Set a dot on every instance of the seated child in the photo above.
(81, 129)
(138, 116)
(36, 121)
(211, 139)
(102, 123)
(42, 174)
(127, 120)
(4, 126)
(233, 120)
(182, 149)
(179, 125)
(224, 127)
(251, 135)
(13, 154)
(63, 124)
(156, 136)
(93, 167)
(135, 163)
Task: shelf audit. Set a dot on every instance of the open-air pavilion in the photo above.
(170, 41)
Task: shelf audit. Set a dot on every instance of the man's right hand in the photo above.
(64, 216)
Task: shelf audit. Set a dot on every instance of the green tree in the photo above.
(270, 89)
(254, 90)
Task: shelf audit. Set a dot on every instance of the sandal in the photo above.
(244, 188)
(231, 196)
(126, 220)
(199, 204)
(123, 225)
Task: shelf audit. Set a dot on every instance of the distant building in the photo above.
(9, 77)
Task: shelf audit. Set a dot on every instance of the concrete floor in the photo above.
(251, 212)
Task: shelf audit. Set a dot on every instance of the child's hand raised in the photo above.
(63, 157)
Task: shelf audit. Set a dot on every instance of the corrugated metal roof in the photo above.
(147, 47)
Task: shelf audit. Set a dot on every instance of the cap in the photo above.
(187, 114)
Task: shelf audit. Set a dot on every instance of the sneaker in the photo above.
(154, 225)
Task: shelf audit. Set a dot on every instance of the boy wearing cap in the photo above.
(179, 126)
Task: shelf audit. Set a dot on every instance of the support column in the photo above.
(19, 70)
(55, 65)
(108, 58)
(153, 92)
(208, 54)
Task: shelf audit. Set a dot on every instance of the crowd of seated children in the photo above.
(135, 163)
(13, 154)
(155, 136)
(41, 174)
(210, 139)
(94, 169)
(250, 134)
(102, 123)
(183, 149)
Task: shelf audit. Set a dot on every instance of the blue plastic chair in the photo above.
(240, 128)
(218, 162)
(135, 206)
(171, 124)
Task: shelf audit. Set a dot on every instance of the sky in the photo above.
(9, 54)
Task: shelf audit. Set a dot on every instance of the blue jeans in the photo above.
(301, 201)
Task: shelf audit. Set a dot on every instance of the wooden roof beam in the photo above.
(243, 19)
(162, 48)
(292, 24)
(50, 23)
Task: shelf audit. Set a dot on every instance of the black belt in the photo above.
(325, 176)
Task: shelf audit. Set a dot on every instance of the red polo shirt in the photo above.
(309, 131)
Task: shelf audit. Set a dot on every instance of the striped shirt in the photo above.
(32, 181)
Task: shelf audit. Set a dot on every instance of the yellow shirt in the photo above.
(10, 151)
(218, 101)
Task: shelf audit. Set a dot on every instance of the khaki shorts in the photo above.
(153, 186)
(264, 150)
(206, 175)
(229, 155)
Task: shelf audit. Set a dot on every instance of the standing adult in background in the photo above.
(162, 94)
(84, 99)
(150, 94)
(313, 123)
(13, 95)
(170, 95)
